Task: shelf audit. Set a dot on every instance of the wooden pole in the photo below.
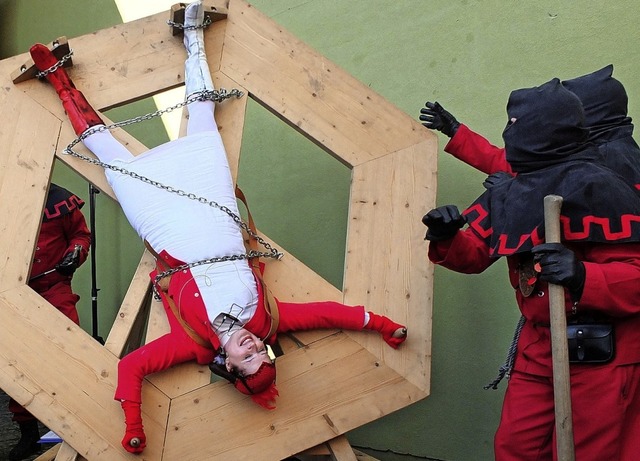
(559, 348)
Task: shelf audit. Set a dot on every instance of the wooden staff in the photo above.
(559, 347)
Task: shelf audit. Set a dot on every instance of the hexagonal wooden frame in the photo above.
(338, 380)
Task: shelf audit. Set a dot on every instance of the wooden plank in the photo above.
(325, 391)
(67, 453)
(132, 308)
(341, 450)
(314, 95)
(394, 192)
(308, 286)
(70, 388)
(50, 454)
(329, 386)
(137, 59)
(230, 116)
(25, 168)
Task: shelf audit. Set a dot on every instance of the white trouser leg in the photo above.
(197, 76)
(106, 147)
(201, 117)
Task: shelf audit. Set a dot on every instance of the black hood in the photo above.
(60, 202)
(604, 100)
(546, 125)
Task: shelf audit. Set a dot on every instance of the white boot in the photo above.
(197, 76)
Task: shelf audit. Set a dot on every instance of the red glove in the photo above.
(134, 439)
(393, 333)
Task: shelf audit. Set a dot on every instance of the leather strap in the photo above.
(270, 303)
(161, 266)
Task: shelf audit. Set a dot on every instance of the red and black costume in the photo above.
(546, 146)
(63, 228)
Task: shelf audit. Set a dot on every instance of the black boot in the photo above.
(28, 443)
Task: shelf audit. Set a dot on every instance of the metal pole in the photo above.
(93, 191)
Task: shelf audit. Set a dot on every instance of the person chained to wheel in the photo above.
(211, 292)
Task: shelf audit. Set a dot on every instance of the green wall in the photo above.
(466, 54)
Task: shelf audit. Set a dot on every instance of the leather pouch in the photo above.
(590, 342)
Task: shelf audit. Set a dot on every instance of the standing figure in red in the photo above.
(598, 264)
(63, 245)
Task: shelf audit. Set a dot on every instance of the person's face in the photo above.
(245, 352)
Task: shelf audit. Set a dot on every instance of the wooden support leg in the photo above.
(66, 453)
(341, 450)
(337, 449)
(50, 454)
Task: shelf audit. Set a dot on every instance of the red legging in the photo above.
(605, 409)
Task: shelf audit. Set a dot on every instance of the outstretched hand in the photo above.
(134, 440)
(434, 117)
(443, 223)
(393, 333)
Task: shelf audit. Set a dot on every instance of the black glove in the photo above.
(559, 265)
(496, 178)
(435, 117)
(70, 262)
(443, 223)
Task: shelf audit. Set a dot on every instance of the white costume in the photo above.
(189, 230)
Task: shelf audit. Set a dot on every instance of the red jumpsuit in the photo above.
(605, 398)
(178, 347)
(63, 227)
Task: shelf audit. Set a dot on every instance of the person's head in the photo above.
(245, 352)
(250, 367)
(604, 99)
(545, 125)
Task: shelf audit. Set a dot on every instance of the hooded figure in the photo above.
(598, 264)
(546, 144)
(604, 102)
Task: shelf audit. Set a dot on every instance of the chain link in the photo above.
(56, 66)
(179, 25)
(213, 95)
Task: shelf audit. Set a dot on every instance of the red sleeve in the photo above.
(466, 253)
(612, 279)
(317, 315)
(158, 355)
(476, 151)
(77, 233)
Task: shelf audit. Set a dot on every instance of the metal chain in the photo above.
(214, 95)
(56, 66)
(211, 95)
(178, 25)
